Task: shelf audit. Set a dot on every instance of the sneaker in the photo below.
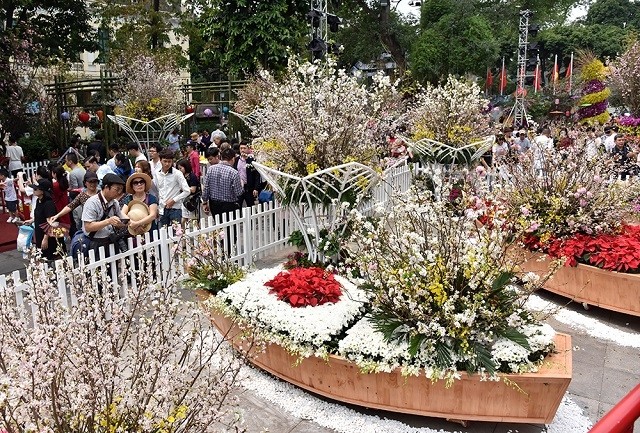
(10, 220)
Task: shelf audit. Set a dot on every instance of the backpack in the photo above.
(80, 243)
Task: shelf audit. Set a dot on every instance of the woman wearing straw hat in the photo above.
(140, 206)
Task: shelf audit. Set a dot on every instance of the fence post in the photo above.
(247, 235)
(165, 253)
(62, 285)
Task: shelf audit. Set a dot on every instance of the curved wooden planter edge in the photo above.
(591, 285)
(518, 398)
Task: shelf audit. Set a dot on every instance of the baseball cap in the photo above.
(111, 178)
(90, 175)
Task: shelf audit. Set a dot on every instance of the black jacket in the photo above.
(253, 177)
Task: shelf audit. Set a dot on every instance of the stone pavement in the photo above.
(603, 372)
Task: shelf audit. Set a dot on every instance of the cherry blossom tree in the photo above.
(625, 77)
(147, 361)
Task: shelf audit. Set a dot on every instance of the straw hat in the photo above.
(134, 176)
(138, 210)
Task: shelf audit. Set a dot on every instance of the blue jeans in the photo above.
(170, 216)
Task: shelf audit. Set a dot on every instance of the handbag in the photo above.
(25, 235)
(265, 196)
(192, 203)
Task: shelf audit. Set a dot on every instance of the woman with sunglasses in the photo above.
(138, 185)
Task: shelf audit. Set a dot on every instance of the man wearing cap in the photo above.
(101, 213)
(521, 144)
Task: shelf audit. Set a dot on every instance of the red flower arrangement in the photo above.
(617, 252)
(305, 286)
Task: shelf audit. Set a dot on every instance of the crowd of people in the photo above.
(603, 142)
(102, 198)
(105, 196)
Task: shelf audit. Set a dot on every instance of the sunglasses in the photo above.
(138, 182)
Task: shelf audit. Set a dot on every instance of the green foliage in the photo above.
(604, 40)
(296, 239)
(36, 147)
(619, 13)
(454, 44)
(141, 26)
(57, 30)
(361, 34)
(539, 105)
(242, 36)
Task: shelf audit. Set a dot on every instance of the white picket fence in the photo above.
(259, 231)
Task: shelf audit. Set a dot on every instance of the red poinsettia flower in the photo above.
(305, 286)
(617, 252)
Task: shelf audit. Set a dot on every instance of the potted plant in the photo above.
(570, 206)
(425, 310)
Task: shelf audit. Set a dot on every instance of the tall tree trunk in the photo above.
(154, 32)
(389, 40)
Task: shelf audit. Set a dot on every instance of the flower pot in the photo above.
(610, 290)
(520, 398)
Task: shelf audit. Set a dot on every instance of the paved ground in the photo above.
(603, 372)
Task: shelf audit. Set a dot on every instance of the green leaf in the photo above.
(483, 358)
(502, 280)
(444, 357)
(415, 344)
(515, 336)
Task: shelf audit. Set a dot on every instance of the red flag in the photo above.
(503, 79)
(568, 74)
(489, 82)
(537, 80)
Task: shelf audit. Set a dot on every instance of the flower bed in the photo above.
(591, 285)
(331, 349)
(522, 398)
(302, 331)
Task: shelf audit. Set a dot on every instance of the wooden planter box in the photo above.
(529, 398)
(611, 290)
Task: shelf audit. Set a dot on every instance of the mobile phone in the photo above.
(24, 177)
(124, 220)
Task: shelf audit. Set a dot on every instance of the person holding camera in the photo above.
(101, 215)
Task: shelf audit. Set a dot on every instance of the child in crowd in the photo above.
(10, 196)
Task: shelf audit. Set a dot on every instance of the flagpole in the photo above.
(502, 78)
(555, 73)
(535, 77)
(570, 73)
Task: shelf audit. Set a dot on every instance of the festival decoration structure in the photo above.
(144, 132)
(319, 132)
(594, 101)
(433, 299)
(448, 124)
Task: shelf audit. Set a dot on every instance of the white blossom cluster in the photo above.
(110, 364)
(518, 358)
(302, 330)
(432, 270)
(452, 113)
(318, 116)
(368, 348)
(556, 193)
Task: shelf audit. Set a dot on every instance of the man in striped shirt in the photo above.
(222, 186)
